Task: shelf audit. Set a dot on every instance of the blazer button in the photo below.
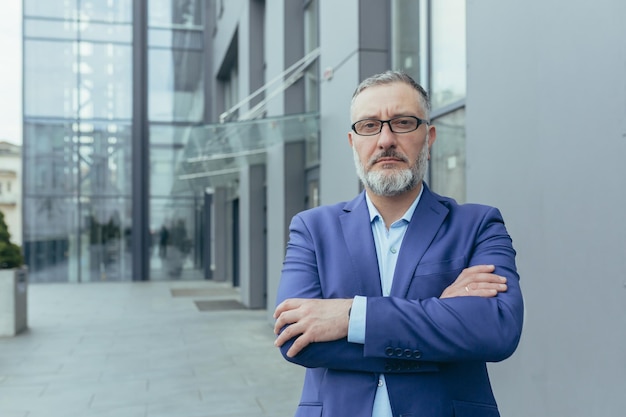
(408, 353)
(389, 351)
(417, 354)
(399, 352)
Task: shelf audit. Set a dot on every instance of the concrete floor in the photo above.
(144, 349)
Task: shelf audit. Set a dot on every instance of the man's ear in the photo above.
(350, 138)
(432, 135)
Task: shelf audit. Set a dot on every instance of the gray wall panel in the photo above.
(339, 43)
(545, 143)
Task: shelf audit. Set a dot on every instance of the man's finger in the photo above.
(298, 344)
(288, 333)
(485, 277)
(285, 318)
(288, 304)
(478, 269)
(498, 286)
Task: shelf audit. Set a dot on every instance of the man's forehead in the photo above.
(397, 97)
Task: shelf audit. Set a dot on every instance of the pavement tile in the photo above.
(143, 349)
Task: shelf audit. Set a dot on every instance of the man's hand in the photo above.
(476, 281)
(312, 320)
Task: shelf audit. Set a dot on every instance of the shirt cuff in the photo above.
(356, 324)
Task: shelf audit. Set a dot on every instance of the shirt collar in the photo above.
(374, 214)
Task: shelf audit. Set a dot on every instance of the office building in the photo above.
(175, 139)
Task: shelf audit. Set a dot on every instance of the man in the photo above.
(395, 301)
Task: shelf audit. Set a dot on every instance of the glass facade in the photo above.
(447, 52)
(428, 42)
(175, 106)
(409, 24)
(78, 124)
(77, 119)
(447, 166)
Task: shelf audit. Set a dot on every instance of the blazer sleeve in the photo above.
(301, 279)
(460, 328)
(413, 335)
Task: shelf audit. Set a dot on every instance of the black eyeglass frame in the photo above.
(382, 123)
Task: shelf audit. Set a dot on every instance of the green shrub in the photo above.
(10, 253)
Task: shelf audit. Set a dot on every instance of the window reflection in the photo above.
(176, 90)
(167, 13)
(448, 52)
(409, 30)
(77, 201)
(448, 156)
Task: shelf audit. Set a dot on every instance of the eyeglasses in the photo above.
(403, 124)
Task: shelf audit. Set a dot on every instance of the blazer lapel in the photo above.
(357, 235)
(426, 221)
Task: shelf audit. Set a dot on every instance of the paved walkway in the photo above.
(144, 349)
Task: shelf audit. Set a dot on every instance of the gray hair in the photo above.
(389, 77)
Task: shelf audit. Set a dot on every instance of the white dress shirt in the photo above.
(388, 243)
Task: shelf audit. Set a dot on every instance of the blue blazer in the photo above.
(432, 351)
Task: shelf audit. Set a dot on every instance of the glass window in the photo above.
(77, 201)
(49, 79)
(448, 52)
(166, 146)
(176, 85)
(448, 156)
(67, 9)
(410, 26)
(174, 211)
(50, 29)
(106, 32)
(102, 10)
(90, 81)
(50, 159)
(49, 221)
(104, 159)
(107, 10)
(104, 244)
(105, 87)
(166, 13)
(177, 39)
(176, 226)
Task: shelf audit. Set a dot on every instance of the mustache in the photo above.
(389, 153)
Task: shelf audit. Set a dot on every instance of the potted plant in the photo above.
(13, 285)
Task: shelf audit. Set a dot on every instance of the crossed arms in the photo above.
(478, 317)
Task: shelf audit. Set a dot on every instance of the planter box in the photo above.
(13, 301)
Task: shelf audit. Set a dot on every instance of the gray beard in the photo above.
(392, 182)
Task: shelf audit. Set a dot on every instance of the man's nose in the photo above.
(386, 138)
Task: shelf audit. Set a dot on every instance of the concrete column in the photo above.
(207, 232)
(286, 193)
(222, 234)
(252, 238)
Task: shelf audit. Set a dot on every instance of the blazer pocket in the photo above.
(430, 279)
(309, 410)
(442, 267)
(467, 409)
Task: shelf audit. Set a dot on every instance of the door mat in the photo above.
(201, 292)
(219, 305)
